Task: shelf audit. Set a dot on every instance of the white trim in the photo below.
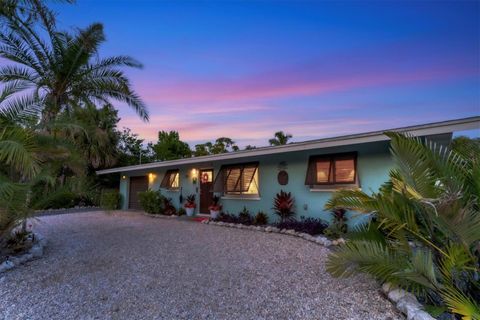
(240, 197)
(419, 130)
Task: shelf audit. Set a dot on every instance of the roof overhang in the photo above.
(418, 130)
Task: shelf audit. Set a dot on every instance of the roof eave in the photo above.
(419, 130)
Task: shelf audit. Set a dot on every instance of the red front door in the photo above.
(206, 192)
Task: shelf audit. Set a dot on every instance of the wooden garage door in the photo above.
(137, 184)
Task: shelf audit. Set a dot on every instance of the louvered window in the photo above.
(171, 180)
(240, 179)
(332, 169)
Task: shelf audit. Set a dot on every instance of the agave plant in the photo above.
(425, 230)
(283, 205)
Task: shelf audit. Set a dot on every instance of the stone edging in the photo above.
(159, 215)
(321, 240)
(35, 252)
(406, 302)
(48, 212)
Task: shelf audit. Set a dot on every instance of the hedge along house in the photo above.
(310, 170)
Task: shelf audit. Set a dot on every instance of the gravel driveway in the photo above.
(129, 266)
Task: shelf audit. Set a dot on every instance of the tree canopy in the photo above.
(170, 147)
(280, 138)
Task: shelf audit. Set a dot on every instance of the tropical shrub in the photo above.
(339, 226)
(283, 205)
(151, 201)
(168, 207)
(110, 199)
(227, 217)
(62, 199)
(215, 206)
(426, 229)
(190, 201)
(18, 241)
(261, 218)
(244, 217)
(311, 226)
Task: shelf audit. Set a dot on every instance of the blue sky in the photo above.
(246, 69)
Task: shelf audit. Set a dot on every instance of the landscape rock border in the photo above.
(320, 240)
(35, 252)
(159, 215)
(406, 303)
(48, 212)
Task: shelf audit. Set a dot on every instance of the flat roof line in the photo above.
(417, 130)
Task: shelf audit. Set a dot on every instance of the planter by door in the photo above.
(206, 192)
(214, 214)
(190, 211)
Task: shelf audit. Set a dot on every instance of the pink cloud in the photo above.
(253, 132)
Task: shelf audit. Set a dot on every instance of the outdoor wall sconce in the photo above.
(194, 176)
(124, 177)
(151, 177)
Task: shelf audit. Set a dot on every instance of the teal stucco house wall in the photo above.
(310, 170)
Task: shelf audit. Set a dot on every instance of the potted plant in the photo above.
(215, 207)
(190, 205)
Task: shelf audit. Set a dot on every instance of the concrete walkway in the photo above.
(125, 265)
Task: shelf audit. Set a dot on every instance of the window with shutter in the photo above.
(333, 169)
(171, 180)
(239, 179)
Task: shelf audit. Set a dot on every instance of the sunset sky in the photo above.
(313, 69)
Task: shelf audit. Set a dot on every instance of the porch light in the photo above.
(151, 177)
(124, 177)
(194, 175)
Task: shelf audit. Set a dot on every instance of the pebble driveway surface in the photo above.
(125, 265)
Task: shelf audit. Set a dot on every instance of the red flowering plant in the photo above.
(215, 206)
(190, 202)
(283, 205)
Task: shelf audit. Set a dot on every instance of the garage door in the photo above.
(137, 184)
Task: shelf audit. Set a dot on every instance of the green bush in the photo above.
(425, 231)
(110, 199)
(244, 216)
(152, 201)
(339, 226)
(261, 218)
(57, 200)
(181, 212)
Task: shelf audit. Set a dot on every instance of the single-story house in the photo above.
(310, 170)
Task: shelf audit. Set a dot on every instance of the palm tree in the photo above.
(28, 158)
(281, 138)
(98, 138)
(425, 229)
(62, 73)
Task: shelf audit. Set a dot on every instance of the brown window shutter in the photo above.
(311, 177)
(166, 180)
(232, 180)
(249, 171)
(219, 183)
(169, 178)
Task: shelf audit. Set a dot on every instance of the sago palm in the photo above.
(425, 227)
(62, 72)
